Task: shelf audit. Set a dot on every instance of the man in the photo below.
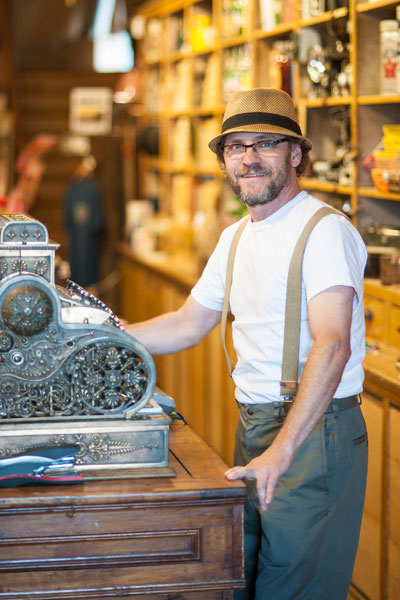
(305, 469)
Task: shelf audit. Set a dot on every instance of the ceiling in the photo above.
(43, 29)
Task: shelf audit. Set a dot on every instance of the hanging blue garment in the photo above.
(84, 220)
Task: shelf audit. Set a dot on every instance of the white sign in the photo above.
(90, 110)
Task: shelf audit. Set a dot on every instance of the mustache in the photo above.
(255, 169)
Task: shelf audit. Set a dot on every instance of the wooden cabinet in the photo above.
(394, 326)
(168, 537)
(376, 573)
(374, 317)
(194, 54)
(377, 569)
(382, 312)
(367, 570)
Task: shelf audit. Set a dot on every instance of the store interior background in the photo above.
(46, 50)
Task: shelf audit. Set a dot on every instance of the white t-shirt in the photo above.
(335, 255)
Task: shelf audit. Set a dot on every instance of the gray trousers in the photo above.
(303, 547)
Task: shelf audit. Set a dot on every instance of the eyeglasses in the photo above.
(263, 148)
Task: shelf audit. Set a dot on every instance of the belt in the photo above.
(336, 405)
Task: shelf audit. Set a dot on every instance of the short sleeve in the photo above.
(335, 254)
(210, 289)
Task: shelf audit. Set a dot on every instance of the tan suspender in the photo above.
(228, 285)
(291, 343)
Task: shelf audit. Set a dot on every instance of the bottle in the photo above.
(389, 37)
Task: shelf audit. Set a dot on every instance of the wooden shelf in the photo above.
(375, 5)
(339, 13)
(325, 186)
(238, 40)
(278, 31)
(378, 99)
(328, 101)
(372, 192)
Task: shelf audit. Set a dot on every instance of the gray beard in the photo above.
(272, 190)
(265, 197)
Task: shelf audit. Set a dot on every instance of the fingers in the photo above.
(270, 489)
(237, 473)
(266, 483)
(265, 490)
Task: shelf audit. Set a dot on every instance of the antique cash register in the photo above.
(69, 374)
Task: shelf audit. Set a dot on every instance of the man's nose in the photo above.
(250, 155)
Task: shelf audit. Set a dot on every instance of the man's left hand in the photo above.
(266, 470)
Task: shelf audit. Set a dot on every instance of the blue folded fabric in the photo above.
(43, 465)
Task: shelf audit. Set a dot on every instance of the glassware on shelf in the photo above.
(388, 47)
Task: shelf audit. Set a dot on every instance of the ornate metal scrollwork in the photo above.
(27, 310)
(52, 368)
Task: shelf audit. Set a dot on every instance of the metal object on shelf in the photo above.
(68, 371)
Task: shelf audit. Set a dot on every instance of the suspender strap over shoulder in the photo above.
(291, 343)
(228, 285)
(291, 340)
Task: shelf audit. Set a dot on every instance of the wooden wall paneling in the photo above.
(168, 373)
(394, 505)
(196, 386)
(393, 326)
(366, 574)
(128, 277)
(385, 457)
(374, 310)
(230, 408)
(214, 400)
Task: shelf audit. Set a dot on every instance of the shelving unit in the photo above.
(192, 72)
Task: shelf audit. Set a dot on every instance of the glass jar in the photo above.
(389, 39)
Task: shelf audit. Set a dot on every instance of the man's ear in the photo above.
(296, 155)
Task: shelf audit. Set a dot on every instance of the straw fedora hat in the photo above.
(261, 110)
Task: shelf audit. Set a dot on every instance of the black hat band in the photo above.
(261, 118)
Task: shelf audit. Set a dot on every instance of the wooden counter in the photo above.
(377, 570)
(172, 537)
(382, 312)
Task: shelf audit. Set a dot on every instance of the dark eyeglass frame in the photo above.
(241, 148)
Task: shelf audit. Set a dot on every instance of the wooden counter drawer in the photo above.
(394, 326)
(374, 311)
(91, 547)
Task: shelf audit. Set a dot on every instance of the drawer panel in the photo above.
(90, 552)
(96, 549)
(374, 311)
(394, 326)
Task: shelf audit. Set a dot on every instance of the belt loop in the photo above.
(278, 407)
(359, 399)
(335, 407)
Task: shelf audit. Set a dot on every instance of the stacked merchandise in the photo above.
(235, 18)
(204, 131)
(180, 142)
(386, 160)
(179, 86)
(236, 70)
(389, 49)
(276, 12)
(201, 32)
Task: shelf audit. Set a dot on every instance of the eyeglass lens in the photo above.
(263, 147)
